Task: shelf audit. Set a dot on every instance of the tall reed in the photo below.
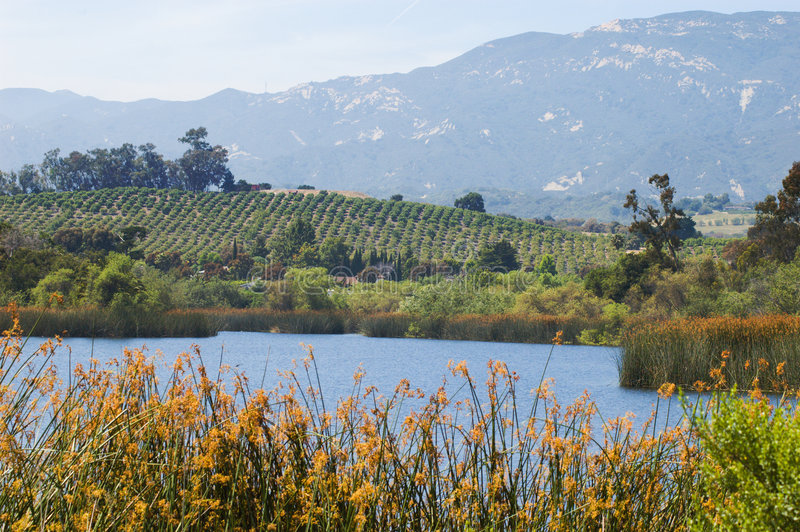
(101, 322)
(294, 321)
(685, 351)
(513, 328)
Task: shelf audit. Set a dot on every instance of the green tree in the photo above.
(547, 265)
(62, 281)
(613, 282)
(659, 227)
(309, 288)
(129, 237)
(204, 165)
(499, 255)
(333, 252)
(472, 202)
(153, 171)
(776, 232)
(116, 280)
(288, 244)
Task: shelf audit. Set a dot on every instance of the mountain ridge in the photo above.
(711, 99)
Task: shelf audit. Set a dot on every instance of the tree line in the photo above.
(201, 166)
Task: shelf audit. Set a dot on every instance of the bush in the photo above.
(750, 476)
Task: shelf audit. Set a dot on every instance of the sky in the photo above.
(186, 50)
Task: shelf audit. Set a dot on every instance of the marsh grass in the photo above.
(116, 449)
(760, 351)
(100, 322)
(384, 325)
(295, 321)
(195, 323)
(513, 328)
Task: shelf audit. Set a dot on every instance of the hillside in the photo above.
(534, 122)
(195, 222)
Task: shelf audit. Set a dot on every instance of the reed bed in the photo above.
(384, 325)
(755, 352)
(115, 449)
(295, 321)
(493, 328)
(513, 328)
(195, 323)
(100, 322)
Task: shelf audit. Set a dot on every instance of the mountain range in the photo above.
(532, 121)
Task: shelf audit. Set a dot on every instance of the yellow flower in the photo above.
(666, 390)
(559, 338)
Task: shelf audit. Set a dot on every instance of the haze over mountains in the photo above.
(714, 100)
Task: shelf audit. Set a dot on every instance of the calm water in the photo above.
(388, 360)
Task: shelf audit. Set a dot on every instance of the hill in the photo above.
(535, 121)
(197, 222)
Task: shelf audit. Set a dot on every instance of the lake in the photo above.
(388, 360)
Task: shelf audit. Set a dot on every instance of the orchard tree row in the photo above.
(194, 223)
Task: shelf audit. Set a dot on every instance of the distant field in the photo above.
(725, 224)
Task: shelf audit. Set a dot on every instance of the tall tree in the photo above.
(658, 227)
(299, 232)
(776, 233)
(204, 165)
(153, 171)
(499, 255)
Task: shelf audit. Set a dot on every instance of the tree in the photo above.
(288, 244)
(30, 180)
(498, 256)
(659, 228)
(547, 265)
(203, 164)
(396, 197)
(333, 252)
(129, 237)
(472, 202)
(70, 238)
(116, 280)
(153, 171)
(776, 233)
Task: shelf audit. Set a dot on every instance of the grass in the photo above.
(99, 322)
(116, 449)
(760, 350)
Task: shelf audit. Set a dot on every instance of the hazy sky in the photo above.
(181, 50)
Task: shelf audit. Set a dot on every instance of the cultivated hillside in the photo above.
(195, 222)
(529, 120)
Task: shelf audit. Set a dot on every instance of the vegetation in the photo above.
(659, 228)
(762, 351)
(117, 450)
(472, 202)
(776, 233)
(194, 223)
(113, 448)
(749, 475)
(200, 166)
